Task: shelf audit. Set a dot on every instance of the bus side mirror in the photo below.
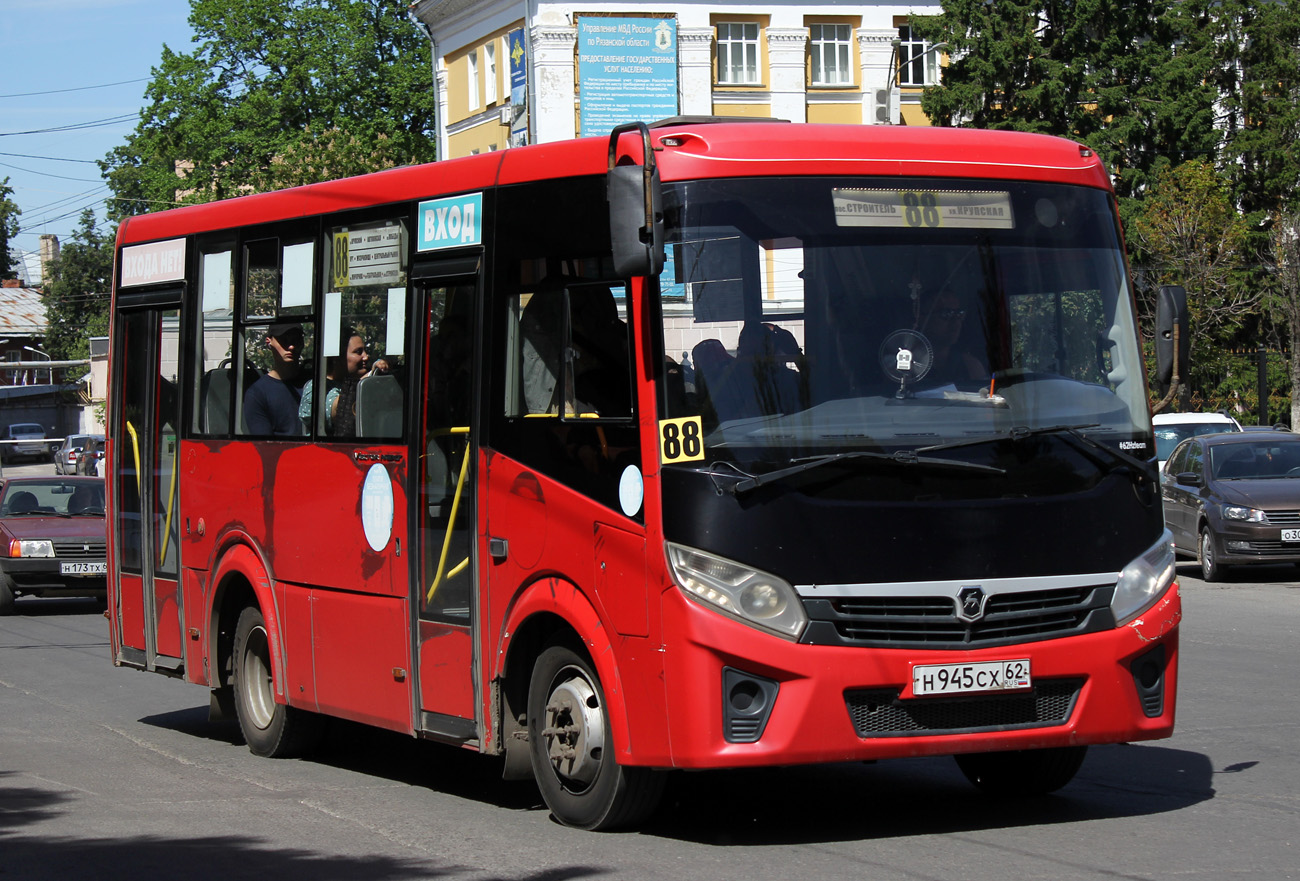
(636, 215)
(1171, 329)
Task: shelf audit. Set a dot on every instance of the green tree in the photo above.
(1258, 76)
(1129, 80)
(345, 84)
(9, 213)
(76, 294)
(1284, 297)
(1192, 234)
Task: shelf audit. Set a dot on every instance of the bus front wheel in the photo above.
(1023, 772)
(272, 730)
(572, 750)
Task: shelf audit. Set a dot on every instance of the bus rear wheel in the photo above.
(271, 729)
(572, 750)
(1023, 772)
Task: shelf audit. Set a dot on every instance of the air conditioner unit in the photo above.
(505, 115)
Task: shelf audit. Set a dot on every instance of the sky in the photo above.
(81, 66)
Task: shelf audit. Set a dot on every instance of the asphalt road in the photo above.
(109, 773)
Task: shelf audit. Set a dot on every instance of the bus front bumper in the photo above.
(738, 697)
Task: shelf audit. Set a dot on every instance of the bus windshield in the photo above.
(803, 317)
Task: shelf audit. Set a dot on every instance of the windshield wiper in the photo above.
(748, 482)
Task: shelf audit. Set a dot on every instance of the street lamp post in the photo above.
(49, 370)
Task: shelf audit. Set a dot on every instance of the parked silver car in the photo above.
(65, 458)
(24, 440)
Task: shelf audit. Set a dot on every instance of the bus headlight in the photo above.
(1144, 580)
(753, 597)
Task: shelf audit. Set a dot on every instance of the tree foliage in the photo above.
(1129, 80)
(9, 213)
(276, 93)
(76, 293)
(1284, 297)
(1193, 235)
(1258, 78)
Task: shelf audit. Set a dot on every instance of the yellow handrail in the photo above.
(135, 448)
(171, 498)
(451, 523)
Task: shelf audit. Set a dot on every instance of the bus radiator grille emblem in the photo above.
(970, 603)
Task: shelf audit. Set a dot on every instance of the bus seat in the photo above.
(379, 407)
(438, 484)
(216, 389)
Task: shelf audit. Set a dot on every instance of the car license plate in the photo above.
(966, 678)
(1291, 535)
(83, 568)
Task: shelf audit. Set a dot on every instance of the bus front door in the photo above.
(446, 514)
(145, 423)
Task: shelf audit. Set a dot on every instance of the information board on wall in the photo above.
(627, 71)
(518, 88)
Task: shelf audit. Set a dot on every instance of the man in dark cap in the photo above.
(271, 405)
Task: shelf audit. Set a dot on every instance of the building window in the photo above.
(490, 90)
(829, 48)
(916, 64)
(473, 79)
(738, 53)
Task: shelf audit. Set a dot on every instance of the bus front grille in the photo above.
(881, 713)
(932, 620)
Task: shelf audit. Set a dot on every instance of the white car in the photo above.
(1171, 429)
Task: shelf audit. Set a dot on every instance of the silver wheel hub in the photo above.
(575, 730)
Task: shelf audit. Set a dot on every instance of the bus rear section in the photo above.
(772, 444)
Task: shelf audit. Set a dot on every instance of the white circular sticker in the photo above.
(631, 490)
(377, 507)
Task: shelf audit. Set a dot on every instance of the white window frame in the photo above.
(915, 57)
(490, 90)
(472, 80)
(830, 54)
(738, 38)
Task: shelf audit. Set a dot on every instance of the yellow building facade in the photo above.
(508, 72)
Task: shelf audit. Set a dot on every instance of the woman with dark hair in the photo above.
(342, 372)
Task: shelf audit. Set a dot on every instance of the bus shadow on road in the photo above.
(788, 805)
(905, 797)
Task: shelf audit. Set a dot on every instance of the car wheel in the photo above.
(1022, 772)
(573, 751)
(1208, 555)
(6, 595)
(271, 729)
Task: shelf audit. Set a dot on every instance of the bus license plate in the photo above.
(1291, 535)
(965, 678)
(83, 568)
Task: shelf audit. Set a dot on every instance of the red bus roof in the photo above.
(694, 150)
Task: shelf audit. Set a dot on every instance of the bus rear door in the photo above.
(145, 423)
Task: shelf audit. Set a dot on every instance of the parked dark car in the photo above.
(54, 537)
(1234, 499)
(90, 457)
(65, 458)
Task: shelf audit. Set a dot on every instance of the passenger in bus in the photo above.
(943, 321)
(271, 404)
(342, 373)
(602, 381)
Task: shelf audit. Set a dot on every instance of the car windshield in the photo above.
(1170, 436)
(1255, 461)
(43, 498)
(808, 317)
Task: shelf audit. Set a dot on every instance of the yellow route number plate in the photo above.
(681, 440)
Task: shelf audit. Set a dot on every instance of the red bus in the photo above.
(711, 444)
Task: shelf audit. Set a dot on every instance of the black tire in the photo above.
(1208, 555)
(572, 749)
(273, 730)
(6, 595)
(1023, 772)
